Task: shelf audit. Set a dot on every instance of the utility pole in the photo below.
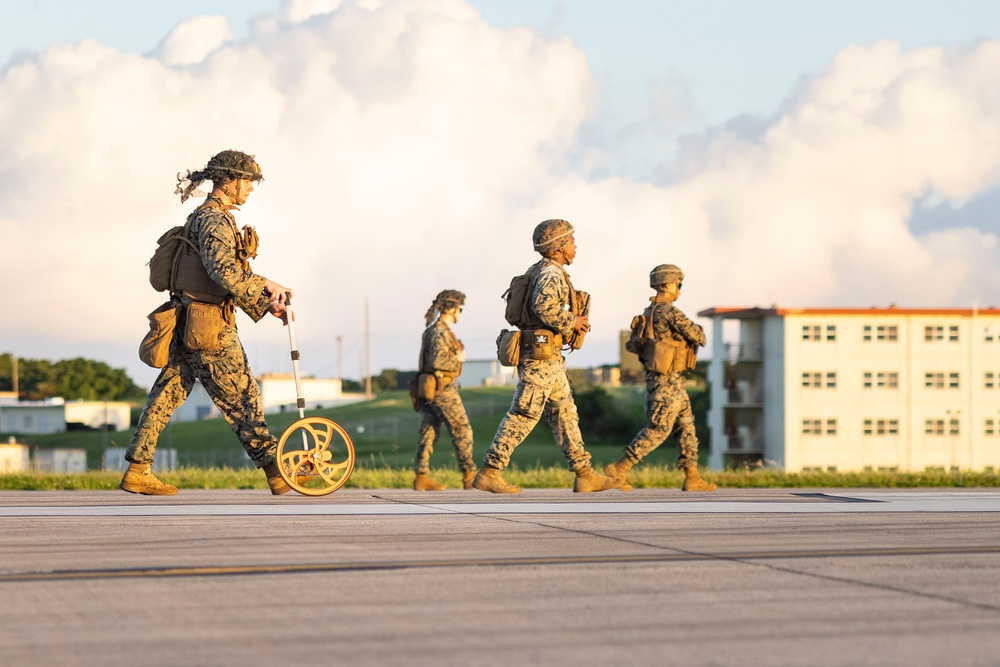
(368, 355)
(340, 358)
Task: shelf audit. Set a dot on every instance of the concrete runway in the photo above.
(392, 577)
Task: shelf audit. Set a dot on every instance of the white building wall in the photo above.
(96, 414)
(37, 419)
(14, 457)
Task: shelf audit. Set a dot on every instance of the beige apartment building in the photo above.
(855, 389)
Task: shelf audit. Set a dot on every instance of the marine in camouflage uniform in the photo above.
(667, 401)
(223, 370)
(543, 387)
(441, 355)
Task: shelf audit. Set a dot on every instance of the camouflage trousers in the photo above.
(225, 374)
(542, 388)
(667, 404)
(446, 409)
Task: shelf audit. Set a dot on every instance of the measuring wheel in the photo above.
(320, 461)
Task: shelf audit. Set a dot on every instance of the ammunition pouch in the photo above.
(509, 347)
(154, 350)
(426, 386)
(203, 326)
(668, 356)
(540, 344)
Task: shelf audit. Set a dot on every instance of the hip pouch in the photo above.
(509, 347)
(426, 386)
(154, 350)
(203, 327)
(542, 345)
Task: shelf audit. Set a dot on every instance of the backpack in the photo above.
(518, 295)
(166, 258)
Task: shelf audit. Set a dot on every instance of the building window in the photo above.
(882, 380)
(811, 332)
(812, 427)
(990, 427)
(815, 380)
(932, 334)
(953, 333)
(952, 380)
(934, 427)
(831, 332)
(831, 427)
(989, 380)
(881, 427)
(953, 427)
(888, 333)
(990, 334)
(934, 380)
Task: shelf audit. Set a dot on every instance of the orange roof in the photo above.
(743, 313)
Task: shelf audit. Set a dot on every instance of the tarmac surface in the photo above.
(547, 577)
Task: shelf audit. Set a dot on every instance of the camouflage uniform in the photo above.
(667, 400)
(440, 356)
(543, 387)
(224, 372)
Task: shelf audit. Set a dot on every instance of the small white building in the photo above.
(486, 372)
(60, 459)
(98, 414)
(277, 392)
(14, 457)
(33, 417)
(853, 389)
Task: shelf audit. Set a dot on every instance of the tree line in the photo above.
(71, 379)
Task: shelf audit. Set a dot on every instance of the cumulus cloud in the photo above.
(409, 147)
(194, 39)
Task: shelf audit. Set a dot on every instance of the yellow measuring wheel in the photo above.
(321, 460)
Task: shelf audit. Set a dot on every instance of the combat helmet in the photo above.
(665, 274)
(443, 302)
(228, 164)
(550, 235)
(234, 164)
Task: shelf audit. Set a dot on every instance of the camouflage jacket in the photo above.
(221, 246)
(551, 299)
(670, 322)
(440, 350)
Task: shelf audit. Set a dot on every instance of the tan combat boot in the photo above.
(588, 481)
(275, 481)
(618, 470)
(489, 479)
(423, 482)
(694, 482)
(467, 478)
(140, 479)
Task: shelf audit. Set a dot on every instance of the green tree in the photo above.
(77, 378)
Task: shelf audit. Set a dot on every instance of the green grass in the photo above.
(643, 476)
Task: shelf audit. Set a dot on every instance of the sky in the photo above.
(804, 154)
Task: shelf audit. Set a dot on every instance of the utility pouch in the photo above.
(659, 356)
(509, 347)
(203, 327)
(426, 386)
(154, 350)
(418, 403)
(541, 346)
